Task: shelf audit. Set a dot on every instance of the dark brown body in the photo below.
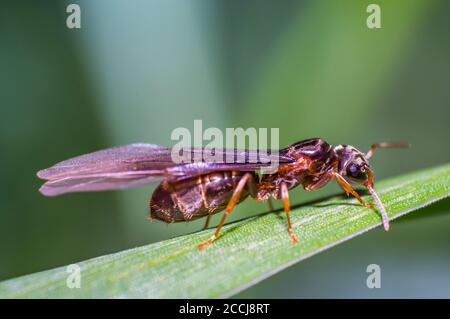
(195, 197)
(209, 194)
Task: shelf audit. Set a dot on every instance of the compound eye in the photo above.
(357, 172)
(352, 169)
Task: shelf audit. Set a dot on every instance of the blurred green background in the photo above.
(138, 69)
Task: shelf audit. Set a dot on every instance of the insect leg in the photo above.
(207, 221)
(269, 202)
(349, 190)
(247, 178)
(287, 209)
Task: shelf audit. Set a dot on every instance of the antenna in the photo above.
(386, 145)
(384, 215)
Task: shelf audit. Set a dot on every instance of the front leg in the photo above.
(349, 190)
(342, 182)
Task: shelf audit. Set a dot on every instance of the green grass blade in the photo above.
(247, 251)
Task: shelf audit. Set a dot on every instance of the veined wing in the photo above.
(138, 164)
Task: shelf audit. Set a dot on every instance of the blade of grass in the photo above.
(247, 251)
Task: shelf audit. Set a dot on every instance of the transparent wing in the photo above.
(138, 164)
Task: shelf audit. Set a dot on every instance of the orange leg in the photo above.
(287, 209)
(349, 190)
(233, 201)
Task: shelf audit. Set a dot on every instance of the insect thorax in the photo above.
(313, 158)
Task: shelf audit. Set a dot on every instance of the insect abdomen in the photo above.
(195, 197)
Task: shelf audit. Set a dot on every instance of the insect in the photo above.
(188, 191)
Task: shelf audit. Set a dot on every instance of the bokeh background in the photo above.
(138, 69)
